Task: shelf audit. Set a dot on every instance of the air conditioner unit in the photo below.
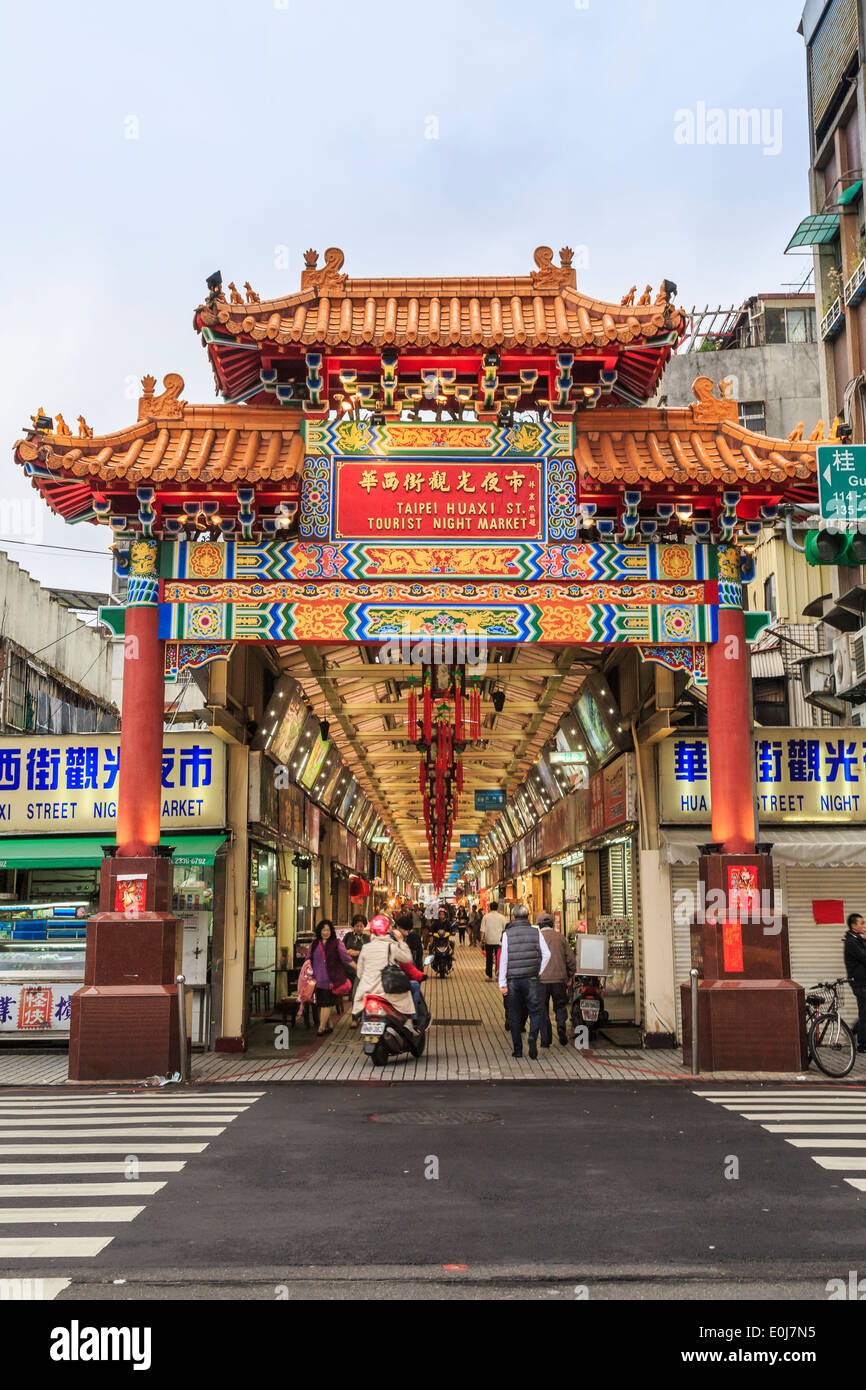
(849, 666)
(858, 716)
(842, 679)
(858, 656)
(816, 674)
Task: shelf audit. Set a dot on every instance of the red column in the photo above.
(140, 781)
(730, 731)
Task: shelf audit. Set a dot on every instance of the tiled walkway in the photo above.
(470, 1046)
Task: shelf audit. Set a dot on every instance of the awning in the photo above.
(194, 849)
(817, 230)
(74, 852)
(837, 848)
(767, 664)
(85, 851)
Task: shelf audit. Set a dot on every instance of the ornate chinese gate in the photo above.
(329, 500)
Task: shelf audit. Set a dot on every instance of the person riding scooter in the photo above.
(442, 944)
(391, 1023)
(382, 949)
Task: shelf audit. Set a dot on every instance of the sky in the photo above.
(145, 147)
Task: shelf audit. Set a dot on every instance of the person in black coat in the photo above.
(855, 967)
(412, 938)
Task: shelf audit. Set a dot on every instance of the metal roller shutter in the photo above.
(816, 952)
(684, 877)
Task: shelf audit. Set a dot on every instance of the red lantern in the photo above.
(475, 709)
(459, 729)
(413, 711)
(428, 711)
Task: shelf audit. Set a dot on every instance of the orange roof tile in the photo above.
(205, 444)
(238, 445)
(634, 447)
(543, 309)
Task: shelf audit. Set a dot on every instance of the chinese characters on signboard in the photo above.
(807, 775)
(70, 782)
(842, 483)
(36, 1008)
(376, 499)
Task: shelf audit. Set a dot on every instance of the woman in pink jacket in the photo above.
(331, 963)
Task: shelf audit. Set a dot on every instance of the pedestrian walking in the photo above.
(354, 942)
(493, 924)
(523, 956)
(555, 979)
(475, 926)
(855, 967)
(462, 923)
(331, 964)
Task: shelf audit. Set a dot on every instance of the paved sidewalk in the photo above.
(467, 1042)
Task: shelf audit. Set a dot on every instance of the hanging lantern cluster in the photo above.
(440, 741)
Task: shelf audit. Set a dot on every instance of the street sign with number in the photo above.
(842, 483)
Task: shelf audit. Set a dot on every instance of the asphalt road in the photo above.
(484, 1190)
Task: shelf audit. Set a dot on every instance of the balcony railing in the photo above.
(855, 289)
(832, 321)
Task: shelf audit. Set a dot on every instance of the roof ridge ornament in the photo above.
(551, 277)
(167, 406)
(710, 408)
(328, 279)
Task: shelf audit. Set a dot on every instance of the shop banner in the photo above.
(802, 776)
(36, 1008)
(596, 803)
(68, 783)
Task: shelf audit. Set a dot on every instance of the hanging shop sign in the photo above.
(612, 795)
(492, 800)
(69, 783)
(470, 841)
(809, 776)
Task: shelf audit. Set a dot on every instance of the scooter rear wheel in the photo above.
(379, 1055)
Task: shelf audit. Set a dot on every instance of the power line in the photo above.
(44, 545)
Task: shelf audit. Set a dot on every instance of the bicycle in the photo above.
(831, 1042)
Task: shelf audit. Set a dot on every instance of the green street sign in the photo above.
(842, 483)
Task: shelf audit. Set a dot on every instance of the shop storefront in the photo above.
(612, 901)
(57, 813)
(811, 790)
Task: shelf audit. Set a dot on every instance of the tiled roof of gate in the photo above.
(543, 309)
(671, 446)
(215, 445)
(205, 444)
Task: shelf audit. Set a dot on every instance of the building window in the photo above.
(770, 596)
(790, 326)
(753, 416)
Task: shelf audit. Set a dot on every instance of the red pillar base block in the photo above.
(124, 1023)
(747, 1025)
(123, 1033)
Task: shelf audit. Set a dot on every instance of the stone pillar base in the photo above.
(747, 1025)
(123, 1032)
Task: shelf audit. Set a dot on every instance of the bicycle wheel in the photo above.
(832, 1045)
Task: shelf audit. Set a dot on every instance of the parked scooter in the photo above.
(587, 1008)
(386, 1032)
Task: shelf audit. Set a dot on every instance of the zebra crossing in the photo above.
(60, 1153)
(820, 1120)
